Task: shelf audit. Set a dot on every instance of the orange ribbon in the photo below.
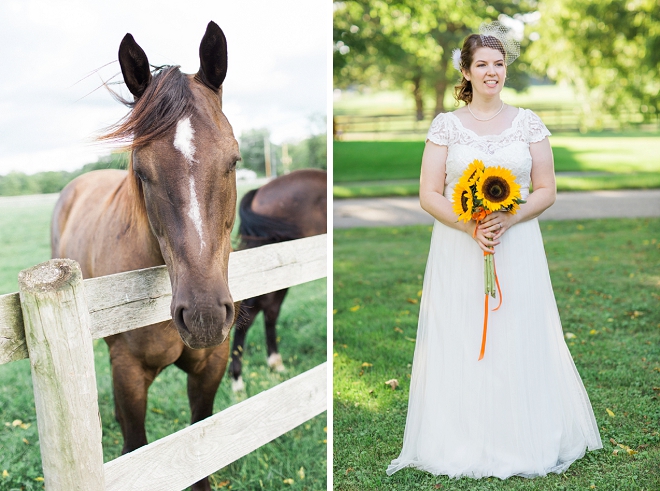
(499, 292)
(477, 216)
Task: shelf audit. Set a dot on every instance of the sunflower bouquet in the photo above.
(479, 192)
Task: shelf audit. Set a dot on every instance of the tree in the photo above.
(252, 149)
(609, 50)
(408, 43)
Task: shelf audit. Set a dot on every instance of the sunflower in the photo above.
(497, 188)
(473, 171)
(462, 201)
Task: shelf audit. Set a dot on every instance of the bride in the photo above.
(522, 409)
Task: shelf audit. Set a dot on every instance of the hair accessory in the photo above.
(503, 38)
(456, 58)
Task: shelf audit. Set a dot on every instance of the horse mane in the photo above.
(166, 100)
(257, 230)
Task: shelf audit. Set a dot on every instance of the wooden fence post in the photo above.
(57, 332)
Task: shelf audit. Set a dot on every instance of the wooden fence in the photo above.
(55, 317)
(351, 127)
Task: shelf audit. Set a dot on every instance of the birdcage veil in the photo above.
(494, 33)
(496, 36)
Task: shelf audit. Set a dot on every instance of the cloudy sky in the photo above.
(50, 110)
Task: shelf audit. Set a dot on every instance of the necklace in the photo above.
(487, 119)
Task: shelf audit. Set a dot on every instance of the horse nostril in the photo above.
(229, 319)
(179, 319)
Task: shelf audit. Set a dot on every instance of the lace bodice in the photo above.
(509, 149)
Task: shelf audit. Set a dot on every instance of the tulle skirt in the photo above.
(521, 410)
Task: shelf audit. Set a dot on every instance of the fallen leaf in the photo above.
(593, 331)
(288, 481)
(354, 308)
(334, 311)
(412, 300)
(156, 410)
(223, 484)
(17, 422)
(398, 329)
(609, 411)
(365, 364)
(615, 451)
(349, 470)
(570, 335)
(393, 383)
(301, 473)
(613, 441)
(25, 441)
(5, 474)
(419, 293)
(39, 478)
(410, 339)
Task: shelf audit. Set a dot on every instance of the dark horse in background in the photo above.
(176, 206)
(290, 207)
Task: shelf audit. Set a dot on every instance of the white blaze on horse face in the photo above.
(183, 142)
(183, 139)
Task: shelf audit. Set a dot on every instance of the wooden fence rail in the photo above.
(142, 297)
(558, 118)
(53, 320)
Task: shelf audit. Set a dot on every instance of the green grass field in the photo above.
(610, 160)
(607, 284)
(299, 456)
(614, 161)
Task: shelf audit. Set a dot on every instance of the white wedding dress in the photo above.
(521, 410)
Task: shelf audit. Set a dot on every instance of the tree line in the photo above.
(310, 152)
(608, 50)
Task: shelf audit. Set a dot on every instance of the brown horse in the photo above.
(174, 206)
(289, 207)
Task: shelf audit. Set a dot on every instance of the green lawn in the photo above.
(299, 455)
(614, 161)
(607, 284)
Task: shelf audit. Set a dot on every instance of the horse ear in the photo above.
(213, 57)
(134, 66)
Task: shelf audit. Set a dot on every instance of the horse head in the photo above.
(183, 160)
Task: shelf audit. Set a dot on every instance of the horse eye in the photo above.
(139, 175)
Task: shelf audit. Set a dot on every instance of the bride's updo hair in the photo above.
(463, 91)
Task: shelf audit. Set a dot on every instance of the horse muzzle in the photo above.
(203, 321)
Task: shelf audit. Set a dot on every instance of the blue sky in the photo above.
(50, 110)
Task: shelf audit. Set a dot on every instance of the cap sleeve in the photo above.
(536, 130)
(439, 130)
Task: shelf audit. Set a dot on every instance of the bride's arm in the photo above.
(431, 198)
(543, 181)
(544, 195)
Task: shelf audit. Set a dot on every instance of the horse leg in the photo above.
(130, 383)
(271, 313)
(204, 376)
(249, 310)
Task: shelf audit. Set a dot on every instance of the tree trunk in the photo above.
(440, 89)
(419, 99)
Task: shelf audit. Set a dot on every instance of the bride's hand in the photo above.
(484, 239)
(495, 224)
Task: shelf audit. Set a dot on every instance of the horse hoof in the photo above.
(237, 385)
(275, 362)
